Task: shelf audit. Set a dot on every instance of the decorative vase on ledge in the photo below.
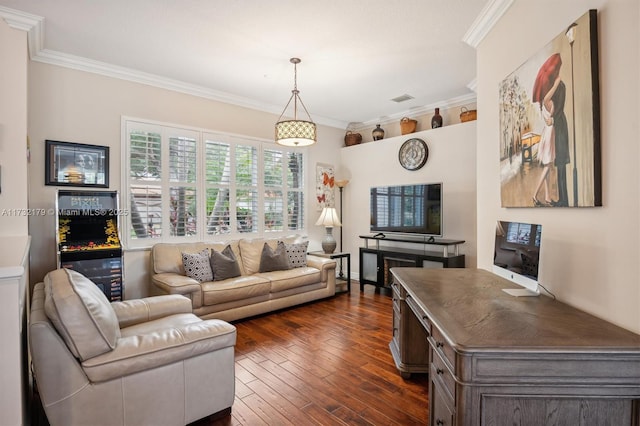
(378, 133)
(436, 121)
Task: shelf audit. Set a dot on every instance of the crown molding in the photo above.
(415, 112)
(485, 21)
(88, 65)
(32, 24)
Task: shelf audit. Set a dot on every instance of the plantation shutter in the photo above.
(183, 214)
(295, 191)
(273, 190)
(145, 190)
(217, 180)
(246, 180)
(185, 184)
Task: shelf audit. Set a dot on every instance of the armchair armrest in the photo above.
(143, 352)
(131, 312)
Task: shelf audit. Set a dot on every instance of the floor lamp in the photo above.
(341, 184)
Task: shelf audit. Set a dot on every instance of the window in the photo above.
(186, 184)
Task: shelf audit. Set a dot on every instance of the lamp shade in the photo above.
(329, 218)
(342, 183)
(295, 133)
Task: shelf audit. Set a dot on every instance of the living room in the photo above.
(592, 255)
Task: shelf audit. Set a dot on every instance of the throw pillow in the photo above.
(224, 264)
(197, 266)
(274, 260)
(81, 313)
(297, 254)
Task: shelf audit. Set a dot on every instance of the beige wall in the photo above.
(13, 130)
(452, 154)
(76, 106)
(590, 255)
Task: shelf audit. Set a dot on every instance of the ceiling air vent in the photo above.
(402, 98)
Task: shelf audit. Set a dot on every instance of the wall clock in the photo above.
(413, 154)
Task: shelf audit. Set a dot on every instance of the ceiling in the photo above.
(357, 55)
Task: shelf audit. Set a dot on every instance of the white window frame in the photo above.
(167, 130)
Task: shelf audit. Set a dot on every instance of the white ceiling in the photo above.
(356, 54)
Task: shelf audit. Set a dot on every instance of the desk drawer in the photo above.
(419, 313)
(398, 291)
(440, 372)
(441, 346)
(440, 406)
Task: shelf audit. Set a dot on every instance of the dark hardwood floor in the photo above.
(324, 363)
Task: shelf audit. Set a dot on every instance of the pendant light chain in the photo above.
(296, 61)
(295, 88)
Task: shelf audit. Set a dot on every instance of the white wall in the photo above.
(76, 106)
(13, 130)
(590, 255)
(452, 154)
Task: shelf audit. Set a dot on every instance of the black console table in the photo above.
(377, 257)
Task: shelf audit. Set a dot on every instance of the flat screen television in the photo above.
(407, 209)
(516, 255)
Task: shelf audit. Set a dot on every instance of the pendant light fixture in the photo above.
(295, 132)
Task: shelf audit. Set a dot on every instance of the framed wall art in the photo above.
(76, 164)
(325, 182)
(550, 123)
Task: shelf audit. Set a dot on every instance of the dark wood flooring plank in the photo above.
(324, 363)
(284, 389)
(322, 416)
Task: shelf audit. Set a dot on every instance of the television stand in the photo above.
(377, 258)
(426, 240)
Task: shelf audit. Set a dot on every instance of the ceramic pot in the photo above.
(378, 133)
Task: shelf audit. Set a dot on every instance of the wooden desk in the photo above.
(496, 359)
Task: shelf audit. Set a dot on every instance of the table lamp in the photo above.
(329, 218)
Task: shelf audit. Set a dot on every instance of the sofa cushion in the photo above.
(177, 338)
(81, 313)
(274, 260)
(291, 278)
(239, 288)
(167, 257)
(250, 251)
(297, 254)
(224, 264)
(293, 238)
(197, 265)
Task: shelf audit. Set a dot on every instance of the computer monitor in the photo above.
(517, 255)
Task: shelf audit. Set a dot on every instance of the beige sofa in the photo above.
(251, 293)
(139, 362)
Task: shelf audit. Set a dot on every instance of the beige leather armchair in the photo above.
(140, 362)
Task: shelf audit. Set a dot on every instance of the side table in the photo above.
(338, 255)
